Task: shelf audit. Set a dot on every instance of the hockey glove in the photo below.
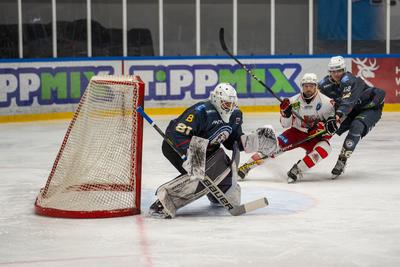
(331, 125)
(286, 108)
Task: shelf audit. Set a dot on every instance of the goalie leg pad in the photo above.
(183, 190)
(229, 185)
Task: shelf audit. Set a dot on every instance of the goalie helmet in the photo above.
(336, 63)
(224, 99)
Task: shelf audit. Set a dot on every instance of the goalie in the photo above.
(317, 110)
(198, 133)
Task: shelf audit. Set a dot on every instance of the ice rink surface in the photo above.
(351, 221)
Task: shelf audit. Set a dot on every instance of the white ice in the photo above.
(351, 221)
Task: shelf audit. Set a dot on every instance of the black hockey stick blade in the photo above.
(249, 206)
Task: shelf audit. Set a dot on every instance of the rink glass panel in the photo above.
(143, 29)
(291, 33)
(71, 28)
(215, 14)
(395, 30)
(179, 27)
(254, 27)
(106, 27)
(37, 28)
(8, 29)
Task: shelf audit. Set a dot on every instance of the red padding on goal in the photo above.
(85, 214)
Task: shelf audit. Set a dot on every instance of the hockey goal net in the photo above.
(97, 170)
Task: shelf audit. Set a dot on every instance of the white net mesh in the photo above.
(95, 173)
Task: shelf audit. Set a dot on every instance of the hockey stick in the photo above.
(154, 125)
(226, 50)
(281, 150)
(208, 182)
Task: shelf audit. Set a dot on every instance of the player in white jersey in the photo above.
(316, 110)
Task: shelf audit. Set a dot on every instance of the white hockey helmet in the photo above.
(224, 99)
(309, 78)
(336, 63)
(309, 92)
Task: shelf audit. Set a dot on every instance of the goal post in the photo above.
(97, 171)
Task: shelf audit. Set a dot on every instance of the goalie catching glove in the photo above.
(263, 140)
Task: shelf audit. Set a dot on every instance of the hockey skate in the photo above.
(157, 211)
(339, 167)
(294, 174)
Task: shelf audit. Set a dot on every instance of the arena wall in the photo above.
(50, 89)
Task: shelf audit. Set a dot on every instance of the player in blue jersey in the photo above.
(219, 120)
(358, 107)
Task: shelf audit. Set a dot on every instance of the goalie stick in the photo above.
(226, 50)
(208, 183)
(281, 150)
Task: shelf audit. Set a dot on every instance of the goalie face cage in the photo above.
(97, 171)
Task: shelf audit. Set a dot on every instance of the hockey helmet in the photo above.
(309, 78)
(224, 99)
(336, 63)
(309, 92)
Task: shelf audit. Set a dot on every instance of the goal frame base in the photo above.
(96, 214)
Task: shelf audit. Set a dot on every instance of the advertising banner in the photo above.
(172, 83)
(46, 87)
(383, 73)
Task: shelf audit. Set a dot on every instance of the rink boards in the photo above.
(51, 88)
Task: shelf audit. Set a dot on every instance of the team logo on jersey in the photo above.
(296, 105)
(220, 135)
(347, 89)
(318, 107)
(220, 138)
(216, 122)
(237, 121)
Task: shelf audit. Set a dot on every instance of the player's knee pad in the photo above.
(356, 132)
(321, 151)
(358, 128)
